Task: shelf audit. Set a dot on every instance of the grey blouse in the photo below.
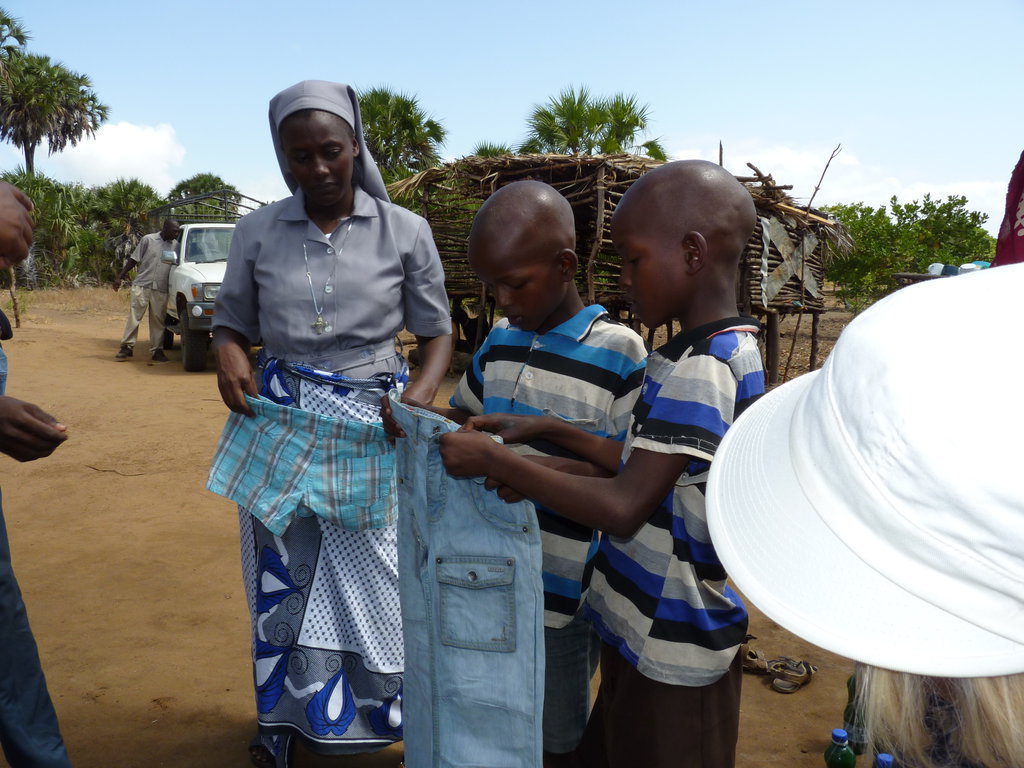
(384, 270)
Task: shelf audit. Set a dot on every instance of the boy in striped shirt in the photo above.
(671, 628)
(549, 354)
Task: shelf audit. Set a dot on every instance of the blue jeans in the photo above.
(572, 656)
(472, 612)
(29, 731)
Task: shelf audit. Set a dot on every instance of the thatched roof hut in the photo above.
(783, 270)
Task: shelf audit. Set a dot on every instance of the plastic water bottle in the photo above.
(884, 760)
(838, 754)
(853, 719)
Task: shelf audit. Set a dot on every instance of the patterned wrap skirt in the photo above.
(326, 624)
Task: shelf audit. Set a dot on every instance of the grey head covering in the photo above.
(338, 99)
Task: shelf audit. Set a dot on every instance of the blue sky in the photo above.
(922, 96)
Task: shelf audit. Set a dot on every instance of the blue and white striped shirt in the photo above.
(588, 371)
(660, 597)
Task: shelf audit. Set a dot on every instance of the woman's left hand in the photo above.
(435, 357)
(418, 392)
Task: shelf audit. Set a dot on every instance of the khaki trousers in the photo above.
(156, 302)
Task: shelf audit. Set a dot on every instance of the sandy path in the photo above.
(130, 567)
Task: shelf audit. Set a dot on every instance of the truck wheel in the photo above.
(194, 346)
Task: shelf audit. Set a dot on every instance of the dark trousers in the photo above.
(29, 732)
(640, 722)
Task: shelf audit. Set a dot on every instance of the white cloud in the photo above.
(120, 150)
(848, 179)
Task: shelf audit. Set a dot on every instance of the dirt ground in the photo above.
(130, 568)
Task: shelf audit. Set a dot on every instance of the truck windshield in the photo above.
(205, 245)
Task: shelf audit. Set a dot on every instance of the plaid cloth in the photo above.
(284, 461)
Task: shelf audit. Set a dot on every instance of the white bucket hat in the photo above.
(876, 507)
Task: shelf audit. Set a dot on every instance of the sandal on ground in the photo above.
(261, 751)
(790, 675)
(754, 662)
(259, 755)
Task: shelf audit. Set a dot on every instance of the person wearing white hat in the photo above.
(876, 508)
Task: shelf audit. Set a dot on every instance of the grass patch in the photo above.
(95, 300)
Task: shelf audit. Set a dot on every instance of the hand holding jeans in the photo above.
(469, 454)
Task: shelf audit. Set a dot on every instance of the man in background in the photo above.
(149, 290)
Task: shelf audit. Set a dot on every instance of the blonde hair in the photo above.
(980, 717)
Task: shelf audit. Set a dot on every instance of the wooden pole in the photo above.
(481, 318)
(595, 249)
(814, 340)
(14, 298)
(771, 347)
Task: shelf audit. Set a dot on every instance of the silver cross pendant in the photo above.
(319, 325)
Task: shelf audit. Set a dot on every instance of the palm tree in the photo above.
(490, 149)
(576, 123)
(62, 219)
(67, 249)
(402, 138)
(43, 100)
(568, 124)
(626, 119)
(122, 213)
(13, 38)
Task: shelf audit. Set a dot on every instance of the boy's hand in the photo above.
(505, 493)
(468, 454)
(27, 432)
(509, 427)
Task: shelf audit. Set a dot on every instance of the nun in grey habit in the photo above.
(322, 281)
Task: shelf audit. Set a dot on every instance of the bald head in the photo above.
(170, 229)
(523, 247)
(693, 195)
(529, 215)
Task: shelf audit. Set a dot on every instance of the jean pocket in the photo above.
(478, 602)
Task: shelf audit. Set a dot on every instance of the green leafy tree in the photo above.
(200, 184)
(942, 231)
(574, 122)
(205, 184)
(402, 138)
(904, 237)
(41, 100)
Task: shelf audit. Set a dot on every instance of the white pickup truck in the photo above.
(197, 270)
